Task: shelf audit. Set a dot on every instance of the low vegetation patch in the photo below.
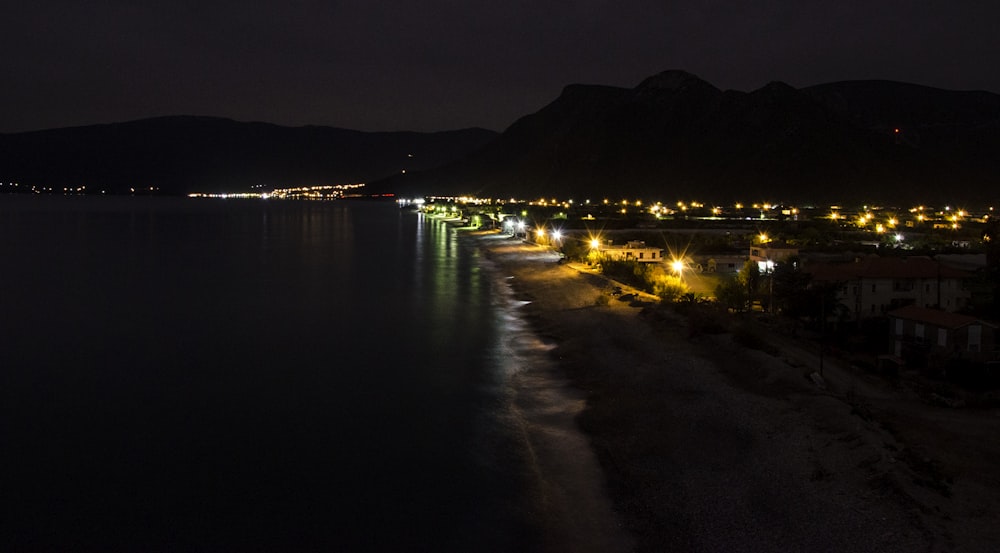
(649, 277)
(746, 336)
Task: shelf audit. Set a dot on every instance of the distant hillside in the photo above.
(676, 136)
(183, 154)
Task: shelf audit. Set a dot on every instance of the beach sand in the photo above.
(692, 442)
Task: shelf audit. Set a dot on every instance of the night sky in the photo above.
(447, 64)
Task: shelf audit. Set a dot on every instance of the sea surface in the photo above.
(216, 375)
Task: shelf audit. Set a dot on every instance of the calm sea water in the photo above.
(196, 375)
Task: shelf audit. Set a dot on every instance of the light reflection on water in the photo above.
(214, 375)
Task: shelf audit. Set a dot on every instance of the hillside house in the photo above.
(872, 286)
(727, 264)
(932, 336)
(633, 250)
(767, 256)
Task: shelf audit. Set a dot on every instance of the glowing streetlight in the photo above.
(678, 266)
(595, 244)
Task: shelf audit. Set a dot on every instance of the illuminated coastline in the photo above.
(323, 192)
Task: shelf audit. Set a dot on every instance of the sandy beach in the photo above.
(692, 442)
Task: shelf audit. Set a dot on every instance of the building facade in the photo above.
(933, 336)
(634, 250)
(873, 286)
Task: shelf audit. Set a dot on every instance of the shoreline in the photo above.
(705, 445)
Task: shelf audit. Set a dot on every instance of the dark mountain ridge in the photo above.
(676, 136)
(180, 154)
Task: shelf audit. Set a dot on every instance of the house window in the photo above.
(942, 337)
(640, 255)
(899, 327)
(918, 332)
(927, 288)
(975, 337)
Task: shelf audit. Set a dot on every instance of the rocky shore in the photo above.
(705, 444)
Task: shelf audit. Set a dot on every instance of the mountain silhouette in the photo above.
(181, 154)
(676, 136)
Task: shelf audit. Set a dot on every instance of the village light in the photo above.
(556, 235)
(677, 265)
(595, 243)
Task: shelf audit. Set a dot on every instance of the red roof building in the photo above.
(872, 286)
(936, 335)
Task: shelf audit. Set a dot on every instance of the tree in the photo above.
(732, 293)
(749, 277)
(791, 289)
(575, 250)
(668, 287)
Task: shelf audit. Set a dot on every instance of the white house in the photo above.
(767, 256)
(634, 250)
(872, 286)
